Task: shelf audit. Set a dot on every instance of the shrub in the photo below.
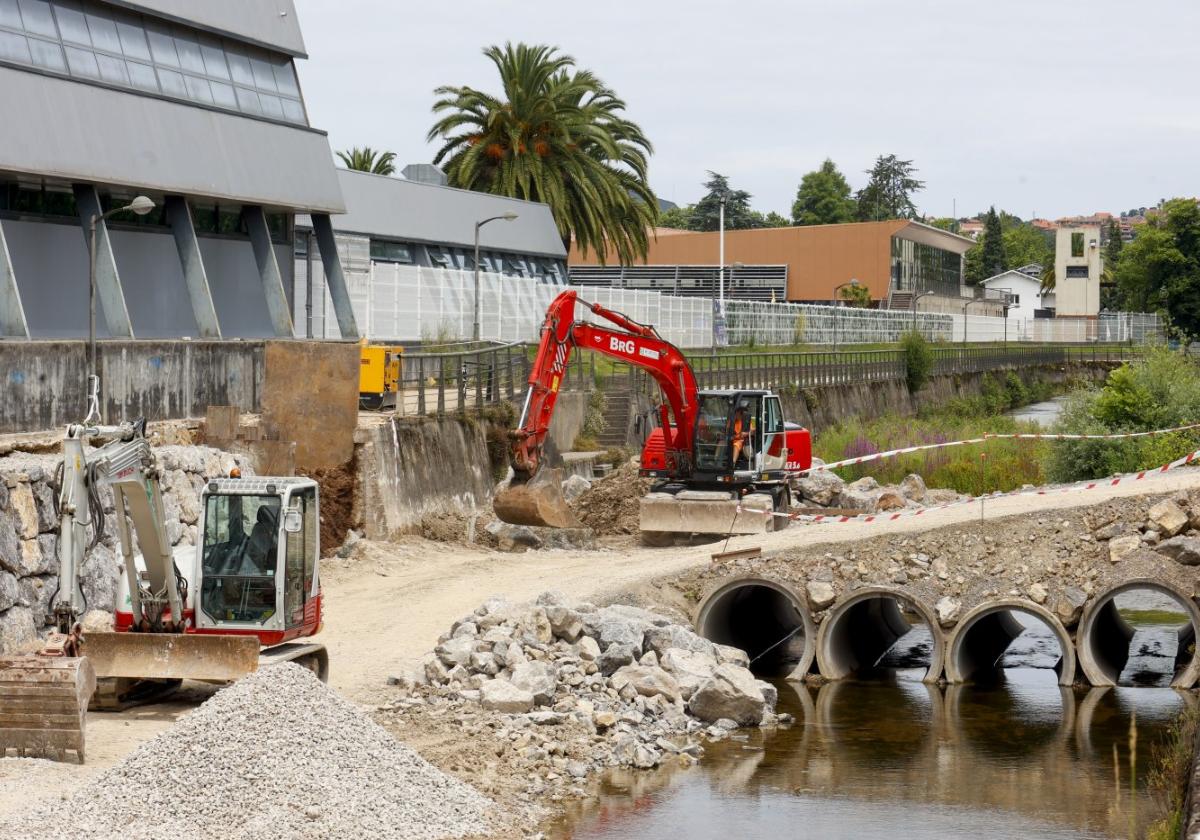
(918, 360)
(1160, 390)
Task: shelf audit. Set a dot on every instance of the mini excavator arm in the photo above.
(635, 344)
(126, 464)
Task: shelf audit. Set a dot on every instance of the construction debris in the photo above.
(553, 692)
(277, 754)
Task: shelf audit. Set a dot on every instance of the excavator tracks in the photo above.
(43, 705)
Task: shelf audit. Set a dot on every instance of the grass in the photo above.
(997, 465)
(1171, 771)
(1138, 617)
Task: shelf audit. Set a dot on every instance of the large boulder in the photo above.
(513, 538)
(610, 628)
(1118, 547)
(574, 487)
(98, 577)
(691, 669)
(23, 504)
(912, 487)
(662, 639)
(890, 499)
(10, 592)
(1168, 517)
(732, 693)
(820, 594)
(18, 631)
(456, 651)
(858, 498)
(538, 678)
(1183, 550)
(820, 488)
(647, 680)
(500, 695)
(615, 656)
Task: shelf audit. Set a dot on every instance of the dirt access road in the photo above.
(386, 608)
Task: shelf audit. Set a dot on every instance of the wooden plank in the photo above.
(739, 554)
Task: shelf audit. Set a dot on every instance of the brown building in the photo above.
(794, 263)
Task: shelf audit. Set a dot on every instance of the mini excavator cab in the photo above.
(259, 557)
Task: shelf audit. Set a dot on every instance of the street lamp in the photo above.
(507, 217)
(965, 305)
(719, 296)
(853, 283)
(915, 301)
(141, 206)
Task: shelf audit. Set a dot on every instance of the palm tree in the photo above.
(556, 135)
(1048, 279)
(367, 159)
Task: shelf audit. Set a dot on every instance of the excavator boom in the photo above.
(534, 496)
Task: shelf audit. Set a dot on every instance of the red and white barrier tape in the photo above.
(893, 453)
(1126, 478)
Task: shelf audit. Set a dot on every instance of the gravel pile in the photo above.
(552, 692)
(278, 754)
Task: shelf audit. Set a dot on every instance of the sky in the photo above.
(1039, 107)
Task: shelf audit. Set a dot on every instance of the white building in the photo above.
(1025, 287)
(1077, 271)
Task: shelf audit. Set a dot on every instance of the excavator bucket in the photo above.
(43, 705)
(537, 502)
(171, 656)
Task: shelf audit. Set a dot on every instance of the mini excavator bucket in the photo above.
(171, 656)
(43, 705)
(538, 502)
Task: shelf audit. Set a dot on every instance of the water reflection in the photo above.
(896, 758)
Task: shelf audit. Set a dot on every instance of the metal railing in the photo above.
(442, 383)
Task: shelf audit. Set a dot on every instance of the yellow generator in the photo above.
(379, 371)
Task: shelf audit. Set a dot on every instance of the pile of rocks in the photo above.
(277, 754)
(29, 533)
(568, 689)
(1170, 528)
(825, 489)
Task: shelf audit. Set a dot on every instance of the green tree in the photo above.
(944, 223)
(1160, 269)
(556, 134)
(770, 219)
(367, 159)
(991, 243)
(1025, 244)
(1112, 248)
(888, 194)
(859, 296)
(823, 197)
(707, 213)
(679, 218)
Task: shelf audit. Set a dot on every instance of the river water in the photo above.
(891, 758)
(1043, 413)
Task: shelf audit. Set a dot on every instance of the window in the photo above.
(1016, 300)
(1076, 244)
(712, 434)
(395, 252)
(1077, 272)
(300, 557)
(239, 556)
(438, 258)
(131, 51)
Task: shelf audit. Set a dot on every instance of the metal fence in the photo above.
(408, 303)
(440, 383)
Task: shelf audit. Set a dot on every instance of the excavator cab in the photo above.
(739, 435)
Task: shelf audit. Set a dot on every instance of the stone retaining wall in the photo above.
(29, 533)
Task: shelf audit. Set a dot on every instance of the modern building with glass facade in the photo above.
(807, 263)
(193, 104)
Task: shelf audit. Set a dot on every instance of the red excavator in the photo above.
(722, 460)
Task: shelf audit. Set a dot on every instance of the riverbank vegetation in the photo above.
(1159, 391)
(1170, 772)
(975, 469)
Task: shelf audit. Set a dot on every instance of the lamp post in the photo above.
(719, 292)
(853, 283)
(965, 305)
(141, 206)
(507, 217)
(915, 301)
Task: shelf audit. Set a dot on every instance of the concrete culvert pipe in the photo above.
(863, 627)
(1104, 637)
(983, 635)
(766, 619)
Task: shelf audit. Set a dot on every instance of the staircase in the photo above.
(616, 419)
(900, 301)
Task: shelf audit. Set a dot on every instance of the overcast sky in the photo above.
(1051, 107)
